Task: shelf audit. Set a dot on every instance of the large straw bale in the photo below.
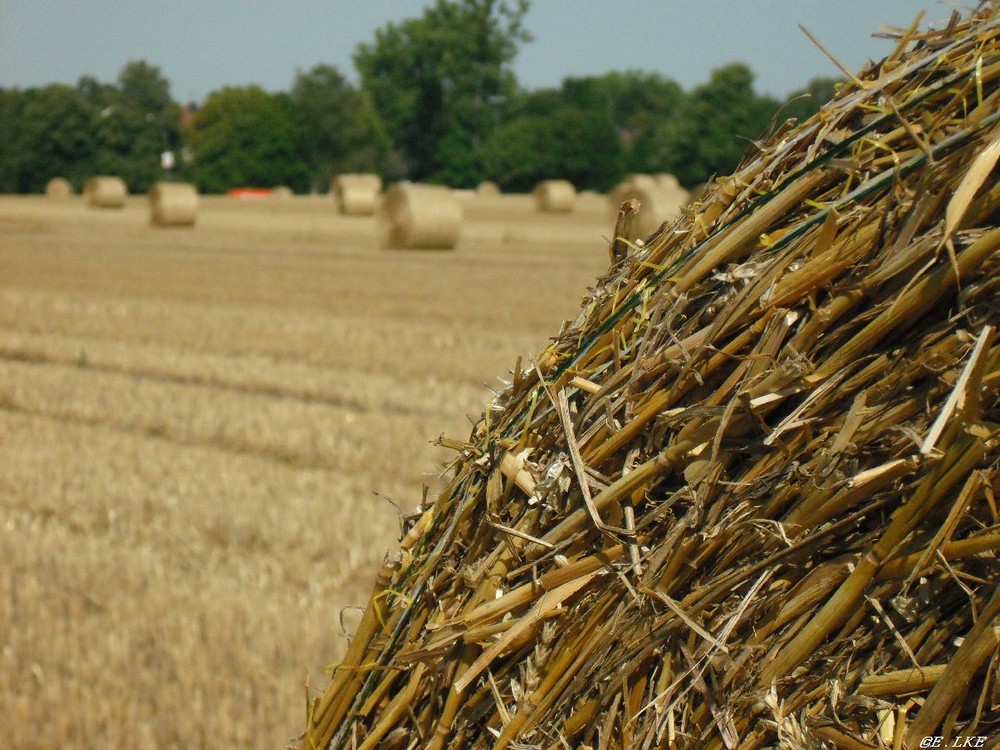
(105, 191)
(748, 497)
(357, 194)
(420, 217)
(660, 198)
(58, 187)
(173, 204)
(282, 192)
(557, 196)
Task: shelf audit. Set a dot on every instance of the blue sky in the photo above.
(203, 45)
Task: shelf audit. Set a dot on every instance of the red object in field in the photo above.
(242, 192)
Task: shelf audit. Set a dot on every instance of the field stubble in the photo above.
(201, 432)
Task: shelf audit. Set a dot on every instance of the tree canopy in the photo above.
(714, 125)
(339, 129)
(437, 101)
(435, 82)
(245, 136)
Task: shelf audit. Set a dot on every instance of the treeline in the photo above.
(437, 101)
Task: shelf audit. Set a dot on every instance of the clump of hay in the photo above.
(487, 188)
(105, 191)
(357, 194)
(58, 187)
(660, 200)
(557, 196)
(420, 217)
(282, 192)
(173, 204)
(748, 497)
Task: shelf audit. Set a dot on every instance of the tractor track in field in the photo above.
(393, 399)
(160, 432)
(192, 379)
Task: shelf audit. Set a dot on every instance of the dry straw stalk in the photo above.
(748, 497)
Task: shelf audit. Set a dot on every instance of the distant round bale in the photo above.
(660, 199)
(419, 217)
(105, 191)
(668, 181)
(357, 194)
(282, 192)
(487, 187)
(173, 204)
(58, 187)
(555, 196)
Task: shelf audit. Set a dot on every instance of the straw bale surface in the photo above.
(668, 181)
(105, 192)
(357, 194)
(282, 192)
(420, 217)
(173, 204)
(557, 196)
(487, 187)
(58, 187)
(660, 198)
(748, 497)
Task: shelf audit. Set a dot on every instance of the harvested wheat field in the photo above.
(749, 497)
(204, 433)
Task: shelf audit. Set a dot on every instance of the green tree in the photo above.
(142, 86)
(436, 82)
(636, 103)
(714, 126)
(340, 130)
(579, 145)
(246, 136)
(137, 121)
(47, 132)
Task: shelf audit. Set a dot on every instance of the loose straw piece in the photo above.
(546, 604)
(960, 395)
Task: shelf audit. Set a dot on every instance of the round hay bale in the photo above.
(668, 181)
(641, 180)
(357, 194)
(487, 188)
(173, 204)
(420, 217)
(659, 201)
(555, 196)
(746, 498)
(58, 187)
(282, 192)
(105, 191)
